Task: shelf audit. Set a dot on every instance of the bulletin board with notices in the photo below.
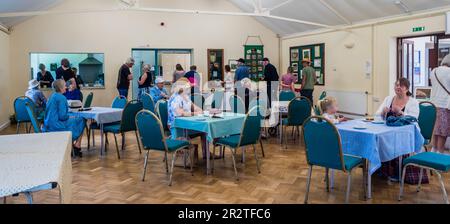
(314, 53)
(254, 54)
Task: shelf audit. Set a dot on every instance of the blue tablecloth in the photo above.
(230, 124)
(101, 115)
(379, 142)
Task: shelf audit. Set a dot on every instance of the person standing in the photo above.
(216, 72)
(440, 97)
(194, 79)
(287, 80)
(124, 77)
(271, 77)
(178, 73)
(79, 81)
(242, 70)
(44, 77)
(145, 81)
(64, 71)
(308, 80)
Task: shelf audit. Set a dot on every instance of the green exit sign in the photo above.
(418, 29)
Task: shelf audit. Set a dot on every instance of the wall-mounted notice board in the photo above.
(314, 53)
(254, 54)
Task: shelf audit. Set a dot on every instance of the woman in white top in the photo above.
(440, 97)
(401, 104)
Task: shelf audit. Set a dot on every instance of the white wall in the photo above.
(345, 68)
(116, 33)
(5, 84)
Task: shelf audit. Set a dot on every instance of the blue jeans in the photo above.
(123, 92)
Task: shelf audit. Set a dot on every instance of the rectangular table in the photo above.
(32, 160)
(278, 109)
(213, 128)
(379, 143)
(102, 115)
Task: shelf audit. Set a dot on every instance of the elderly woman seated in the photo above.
(73, 92)
(57, 116)
(36, 95)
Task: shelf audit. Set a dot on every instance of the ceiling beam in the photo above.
(280, 5)
(338, 14)
(4, 29)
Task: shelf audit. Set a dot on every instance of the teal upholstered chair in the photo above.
(119, 102)
(162, 111)
(217, 101)
(427, 120)
(152, 137)
(299, 110)
(261, 106)
(21, 114)
(438, 163)
(88, 101)
(287, 95)
(34, 121)
(324, 149)
(323, 95)
(250, 134)
(237, 104)
(147, 102)
(198, 100)
(127, 124)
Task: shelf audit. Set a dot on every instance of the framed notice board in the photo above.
(254, 54)
(316, 54)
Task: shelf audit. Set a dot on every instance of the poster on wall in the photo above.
(306, 54)
(294, 55)
(314, 53)
(317, 52)
(317, 63)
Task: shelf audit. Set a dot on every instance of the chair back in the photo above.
(147, 102)
(150, 130)
(317, 110)
(20, 108)
(427, 119)
(217, 100)
(287, 95)
(163, 113)
(198, 100)
(128, 122)
(261, 105)
(299, 110)
(323, 144)
(237, 105)
(323, 95)
(33, 118)
(251, 129)
(89, 99)
(119, 102)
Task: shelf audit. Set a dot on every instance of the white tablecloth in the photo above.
(101, 115)
(29, 161)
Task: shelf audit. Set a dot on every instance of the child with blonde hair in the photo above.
(329, 107)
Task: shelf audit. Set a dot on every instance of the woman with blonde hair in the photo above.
(145, 81)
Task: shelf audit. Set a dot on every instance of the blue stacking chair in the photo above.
(147, 102)
(237, 105)
(250, 134)
(287, 95)
(217, 101)
(162, 111)
(324, 149)
(127, 124)
(299, 110)
(88, 101)
(21, 113)
(262, 111)
(152, 137)
(427, 121)
(439, 163)
(34, 121)
(119, 102)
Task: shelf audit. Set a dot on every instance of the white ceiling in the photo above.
(308, 10)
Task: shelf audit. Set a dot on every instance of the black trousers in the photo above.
(308, 93)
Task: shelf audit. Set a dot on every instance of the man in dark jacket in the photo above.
(272, 78)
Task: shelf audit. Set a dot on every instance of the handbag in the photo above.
(440, 83)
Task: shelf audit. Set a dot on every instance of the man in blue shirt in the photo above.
(242, 71)
(158, 92)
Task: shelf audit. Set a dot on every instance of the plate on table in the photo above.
(360, 127)
(377, 122)
(200, 119)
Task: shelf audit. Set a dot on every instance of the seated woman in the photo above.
(401, 104)
(57, 116)
(36, 95)
(73, 93)
(329, 107)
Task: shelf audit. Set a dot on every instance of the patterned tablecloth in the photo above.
(32, 160)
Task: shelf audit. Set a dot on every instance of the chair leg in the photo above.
(166, 161)
(223, 152)
(88, 135)
(29, 197)
(349, 185)
(93, 137)
(420, 180)
(327, 179)
(174, 156)
(262, 148)
(308, 183)
(233, 154)
(117, 146)
(17, 127)
(123, 141)
(213, 155)
(145, 165)
(191, 155)
(402, 183)
(138, 142)
(258, 168)
(444, 192)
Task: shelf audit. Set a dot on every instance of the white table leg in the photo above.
(102, 140)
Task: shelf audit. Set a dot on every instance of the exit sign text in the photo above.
(418, 29)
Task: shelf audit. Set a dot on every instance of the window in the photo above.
(89, 66)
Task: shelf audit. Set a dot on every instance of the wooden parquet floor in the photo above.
(282, 180)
